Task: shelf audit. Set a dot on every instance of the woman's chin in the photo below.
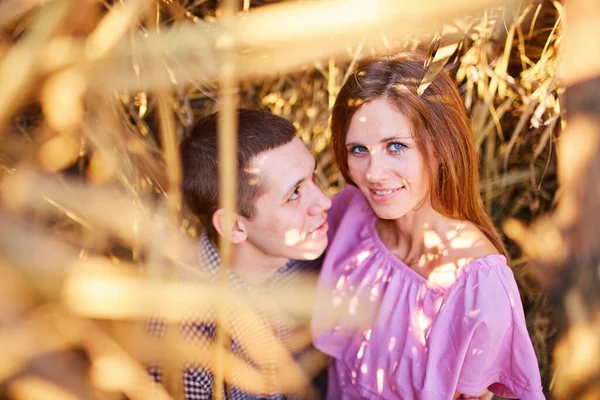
(388, 214)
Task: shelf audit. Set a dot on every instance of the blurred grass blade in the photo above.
(18, 67)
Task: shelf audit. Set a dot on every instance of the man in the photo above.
(280, 216)
(281, 211)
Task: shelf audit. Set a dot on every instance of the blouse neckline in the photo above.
(400, 265)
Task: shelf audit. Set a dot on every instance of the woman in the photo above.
(422, 304)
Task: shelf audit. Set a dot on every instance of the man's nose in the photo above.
(320, 201)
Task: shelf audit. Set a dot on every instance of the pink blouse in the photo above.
(393, 334)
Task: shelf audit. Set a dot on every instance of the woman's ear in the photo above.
(237, 229)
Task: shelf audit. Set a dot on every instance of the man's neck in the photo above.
(253, 266)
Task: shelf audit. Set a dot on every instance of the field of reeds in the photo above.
(96, 95)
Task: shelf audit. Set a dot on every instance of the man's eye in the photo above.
(295, 194)
(358, 150)
(396, 147)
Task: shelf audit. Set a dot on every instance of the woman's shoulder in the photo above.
(463, 242)
(459, 251)
(483, 278)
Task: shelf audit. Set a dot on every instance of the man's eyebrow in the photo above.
(292, 188)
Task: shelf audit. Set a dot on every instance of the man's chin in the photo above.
(312, 251)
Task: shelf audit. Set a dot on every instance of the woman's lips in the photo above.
(382, 195)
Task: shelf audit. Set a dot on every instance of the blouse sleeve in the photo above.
(488, 345)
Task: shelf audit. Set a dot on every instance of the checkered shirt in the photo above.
(198, 381)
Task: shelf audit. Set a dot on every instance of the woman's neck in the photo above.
(413, 237)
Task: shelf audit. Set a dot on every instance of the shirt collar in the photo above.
(210, 262)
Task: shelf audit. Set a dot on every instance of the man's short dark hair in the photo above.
(258, 131)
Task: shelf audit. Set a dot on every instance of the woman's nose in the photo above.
(377, 170)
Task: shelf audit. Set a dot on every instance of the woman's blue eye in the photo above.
(358, 150)
(396, 147)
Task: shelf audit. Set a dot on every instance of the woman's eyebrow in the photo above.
(384, 140)
(391, 138)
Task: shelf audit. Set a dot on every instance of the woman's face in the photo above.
(384, 162)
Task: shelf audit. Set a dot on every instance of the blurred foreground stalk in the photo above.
(576, 294)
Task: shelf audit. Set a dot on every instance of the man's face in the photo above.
(290, 219)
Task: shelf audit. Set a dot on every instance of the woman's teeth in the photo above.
(383, 192)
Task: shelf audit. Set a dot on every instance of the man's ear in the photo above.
(237, 233)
